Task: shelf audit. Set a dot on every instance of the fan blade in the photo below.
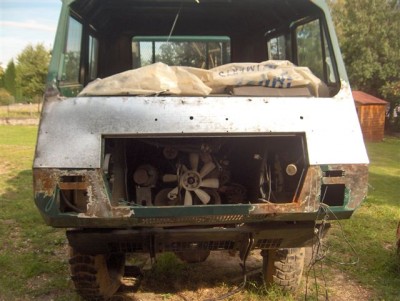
(173, 194)
(194, 161)
(210, 183)
(183, 169)
(170, 178)
(206, 169)
(203, 196)
(188, 199)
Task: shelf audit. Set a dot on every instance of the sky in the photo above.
(24, 22)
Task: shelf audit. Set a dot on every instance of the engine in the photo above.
(205, 171)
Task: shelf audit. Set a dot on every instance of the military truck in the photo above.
(194, 126)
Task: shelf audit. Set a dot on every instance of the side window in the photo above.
(329, 60)
(313, 51)
(93, 57)
(277, 48)
(309, 47)
(72, 52)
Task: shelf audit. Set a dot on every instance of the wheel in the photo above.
(283, 267)
(193, 256)
(96, 277)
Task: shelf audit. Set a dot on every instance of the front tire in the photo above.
(283, 267)
(96, 277)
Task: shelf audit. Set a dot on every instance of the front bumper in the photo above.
(156, 240)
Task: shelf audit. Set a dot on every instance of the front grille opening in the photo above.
(213, 219)
(333, 194)
(268, 243)
(185, 171)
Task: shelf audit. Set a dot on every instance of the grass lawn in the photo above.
(372, 229)
(33, 260)
(32, 255)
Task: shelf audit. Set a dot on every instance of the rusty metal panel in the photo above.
(355, 179)
(46, 181)
(307, 200)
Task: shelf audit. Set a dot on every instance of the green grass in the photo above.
(32, 255)
(372, 229)
(33, 260)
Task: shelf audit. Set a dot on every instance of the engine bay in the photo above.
(205, 170)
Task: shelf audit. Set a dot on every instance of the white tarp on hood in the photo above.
(176, 80)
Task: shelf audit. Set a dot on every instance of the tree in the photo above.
(32, 68)
(1, 76)
(9, 78)
(368, 32)
(193, 54)
(391, 92)
(200, 54)
(5, 97)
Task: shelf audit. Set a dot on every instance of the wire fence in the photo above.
(21, 111)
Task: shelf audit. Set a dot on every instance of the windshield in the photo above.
(191, 51)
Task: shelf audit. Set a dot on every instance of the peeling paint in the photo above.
(98, 203)
(355, 179)
(307, 200)
(122, 211)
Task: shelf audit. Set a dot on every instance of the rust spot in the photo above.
(355, 178)
(44, 181)
(91, 181)
(73, 186)
(306, 200)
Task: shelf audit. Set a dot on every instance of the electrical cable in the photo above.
(357, 260)
(65, 199)
(318, 254)
(320, 250)
(244, 271)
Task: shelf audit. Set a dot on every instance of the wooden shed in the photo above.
(371, 113)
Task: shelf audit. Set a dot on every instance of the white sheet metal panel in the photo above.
(71, 130)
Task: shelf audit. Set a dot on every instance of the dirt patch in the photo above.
(5, 167)
(330, 283)
(221, 274)
(342, 287)
(218, 275)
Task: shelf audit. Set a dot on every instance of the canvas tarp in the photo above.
(160, 78)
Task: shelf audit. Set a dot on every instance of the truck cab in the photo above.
(195, 126)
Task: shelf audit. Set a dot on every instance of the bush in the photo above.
(392, 122)
(5, 97)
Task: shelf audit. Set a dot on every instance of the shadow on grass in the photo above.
(33, 258)
(220, 275)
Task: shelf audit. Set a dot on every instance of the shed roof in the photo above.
(367, 99)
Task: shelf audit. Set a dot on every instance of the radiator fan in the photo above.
(192, 181)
